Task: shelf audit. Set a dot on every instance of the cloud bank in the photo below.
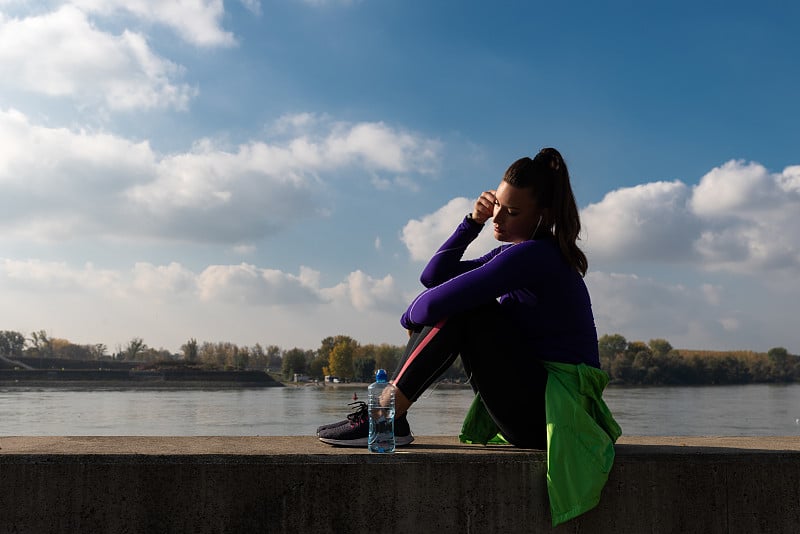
(738, 218)
(62, 183)
(219, 300)
(63, 54)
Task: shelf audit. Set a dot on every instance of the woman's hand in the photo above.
(484, 207)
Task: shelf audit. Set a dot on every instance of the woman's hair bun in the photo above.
(551, 158)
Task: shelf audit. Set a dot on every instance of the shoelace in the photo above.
(358, 414)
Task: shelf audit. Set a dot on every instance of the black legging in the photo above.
(511, 381)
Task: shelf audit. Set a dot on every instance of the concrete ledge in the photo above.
(296, 484)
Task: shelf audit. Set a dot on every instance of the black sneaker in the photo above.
(355, 432)
(359, 412)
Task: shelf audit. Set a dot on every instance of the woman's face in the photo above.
(515, 214)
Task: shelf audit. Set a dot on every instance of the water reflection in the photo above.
(688, 411)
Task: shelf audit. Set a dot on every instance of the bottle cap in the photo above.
(380, 376)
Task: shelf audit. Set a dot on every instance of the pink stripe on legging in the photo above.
(434, 330)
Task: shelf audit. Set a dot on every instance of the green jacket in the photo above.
(580, 437)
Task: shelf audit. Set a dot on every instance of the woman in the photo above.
(505, 313)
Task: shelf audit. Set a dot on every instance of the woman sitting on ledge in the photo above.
(517, 315)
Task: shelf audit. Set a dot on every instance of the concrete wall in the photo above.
(296, 484)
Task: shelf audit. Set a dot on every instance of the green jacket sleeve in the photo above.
(580, 437)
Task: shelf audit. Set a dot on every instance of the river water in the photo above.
(751, 410)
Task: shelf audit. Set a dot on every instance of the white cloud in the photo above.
(378, 146)
(61, 183)
(645, 222)
(197, 21)
(749, 217)
(374, 146)
(63, 54)
(643, 308)
(248, 284)
(424, 236)
(738, 218)
(735, 189)
(167, 304)
(45, 277)
(165, 281)
(366, 293)
(253, 6)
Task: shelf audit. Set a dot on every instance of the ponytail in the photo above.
(548, 178)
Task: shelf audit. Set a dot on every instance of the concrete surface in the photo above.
(297, 484)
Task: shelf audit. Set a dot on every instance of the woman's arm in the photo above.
(510, 268)
(447, 262)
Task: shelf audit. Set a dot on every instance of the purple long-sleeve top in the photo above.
(539, 294)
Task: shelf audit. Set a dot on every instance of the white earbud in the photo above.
(537, 227)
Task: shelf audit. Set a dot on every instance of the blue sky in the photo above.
(278, 172)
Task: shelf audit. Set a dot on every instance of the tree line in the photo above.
(658, 363)
(340, 356)
(626, 362)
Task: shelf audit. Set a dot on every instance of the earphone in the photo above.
(537, 227)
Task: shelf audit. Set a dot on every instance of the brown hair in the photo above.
(547, 177)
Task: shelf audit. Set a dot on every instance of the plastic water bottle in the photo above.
(381, 414)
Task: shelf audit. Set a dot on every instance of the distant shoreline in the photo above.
(121, 384)
(133, 379)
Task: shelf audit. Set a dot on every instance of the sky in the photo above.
(277, 172)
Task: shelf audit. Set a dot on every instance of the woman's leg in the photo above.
(511, 382)
(512, 388)
(428, 354)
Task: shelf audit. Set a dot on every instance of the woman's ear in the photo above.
(547, 221)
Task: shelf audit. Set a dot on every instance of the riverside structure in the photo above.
(296, 484)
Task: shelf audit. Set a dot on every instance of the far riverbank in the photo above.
(132, 378)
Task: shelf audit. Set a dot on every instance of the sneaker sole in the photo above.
(331, 425)
(399, 441)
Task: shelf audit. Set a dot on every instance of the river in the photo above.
(750, 410)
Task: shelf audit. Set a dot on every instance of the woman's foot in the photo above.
(359, 412)
(354, 431)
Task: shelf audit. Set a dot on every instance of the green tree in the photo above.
(258, 358)
(635, 347)
(11, 344)
(66, 350)
(274, 360)
(294, 361)
(241, 358)
(190, 350)
(327, 344)
(98, 351)
(316, 367)
(660, 347)
(780, 370)
(220, 355)
(643, 368)
(364, 369)
(674, 369)
(341, 359)
(612, 345)
(136, 347)
(41, 345)
(152, 355)
(609, 347)
(387, 357)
